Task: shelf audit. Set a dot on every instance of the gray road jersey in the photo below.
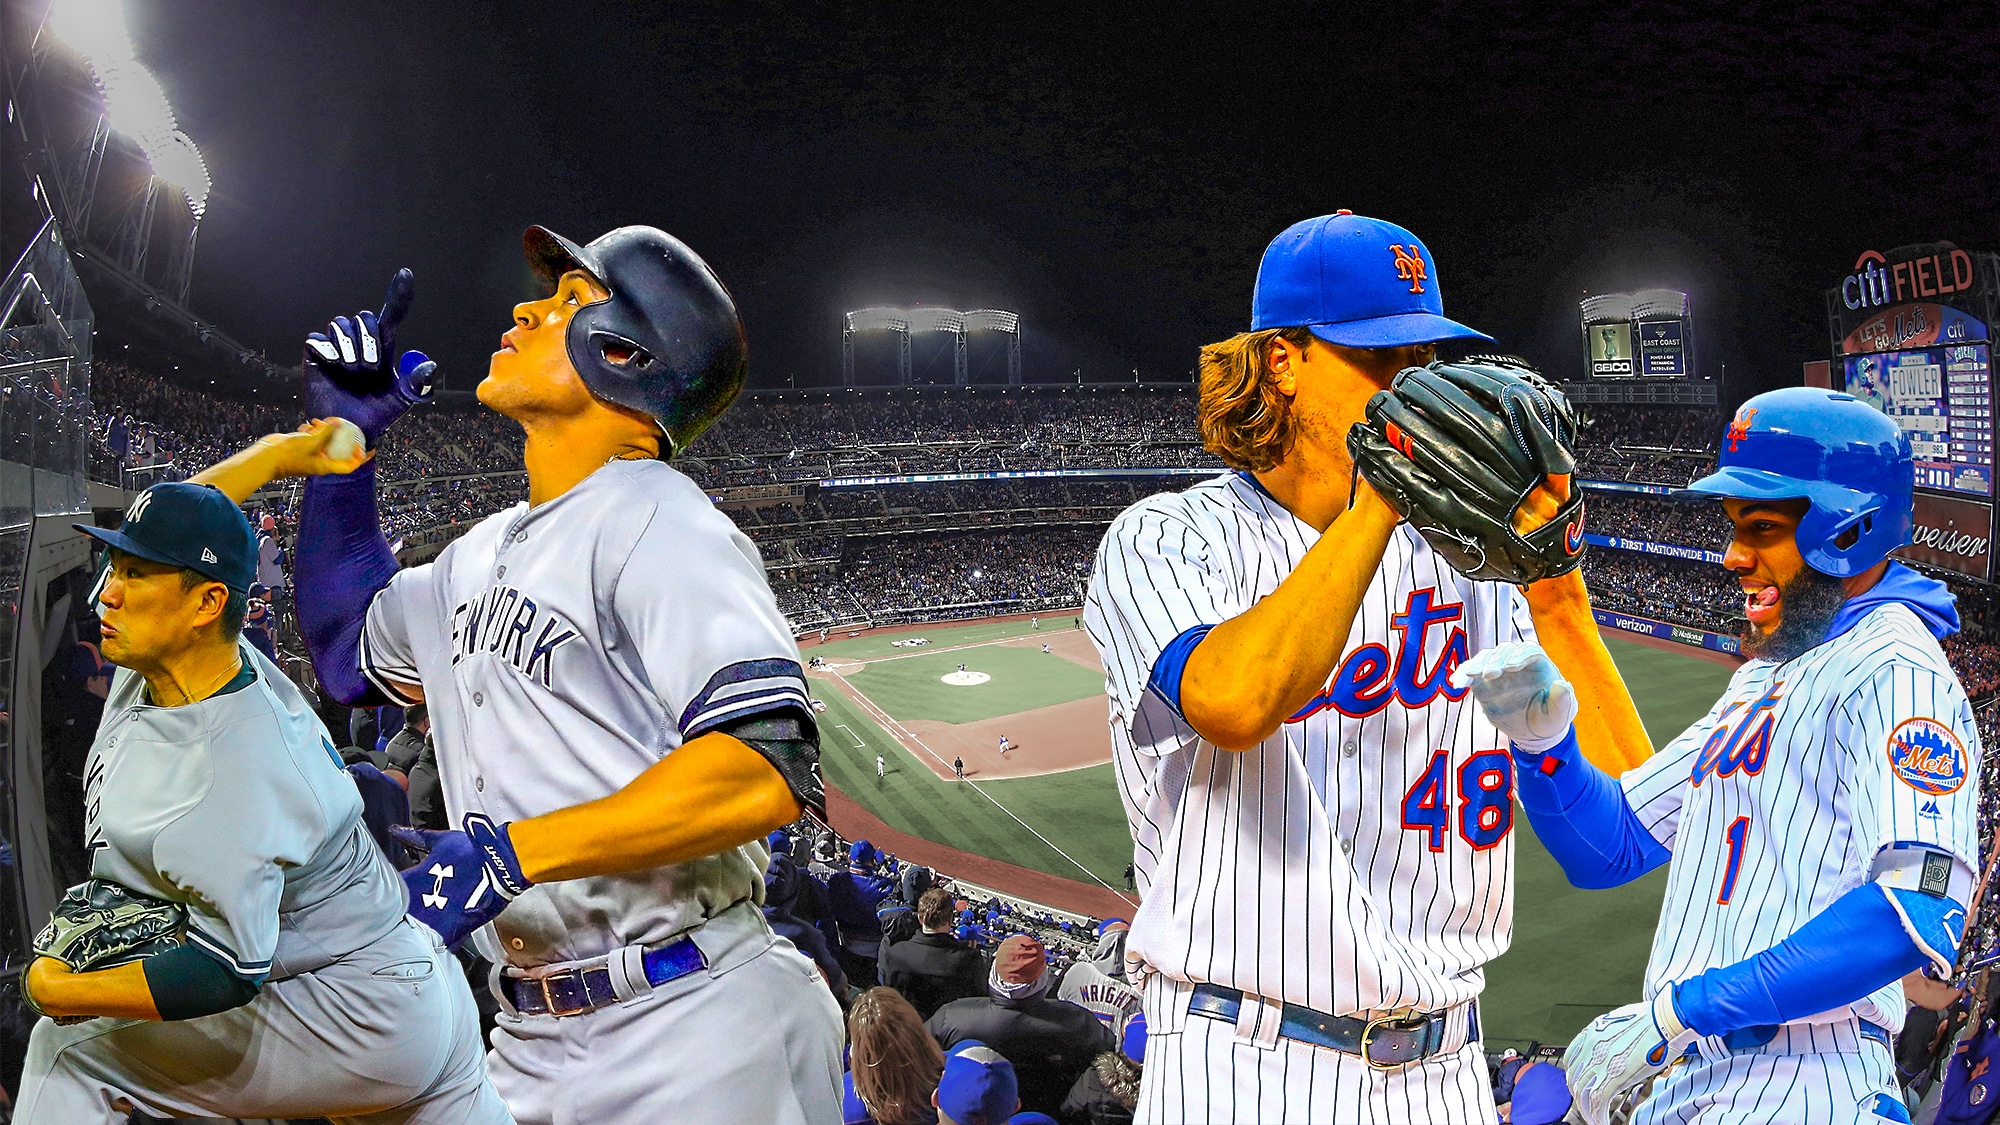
(238, 807)
(565, 649)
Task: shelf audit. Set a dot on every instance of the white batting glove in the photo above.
(1620, 1050)
(1522, 693)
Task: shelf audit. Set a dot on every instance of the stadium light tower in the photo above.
(135, 105)
(905, 322)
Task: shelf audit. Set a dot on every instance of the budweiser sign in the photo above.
(1953, 534)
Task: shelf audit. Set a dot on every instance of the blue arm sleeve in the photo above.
(1866, 933)
(343, 562)
(1581, 816)
(1166, 675)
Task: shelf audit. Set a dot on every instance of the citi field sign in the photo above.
(1877, 281)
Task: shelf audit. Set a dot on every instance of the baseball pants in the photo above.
(389, 1036)
(754, 1038)
(1198, 1069)
(1822, 1073)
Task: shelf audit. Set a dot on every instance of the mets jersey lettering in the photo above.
(1778, 801)
(1360, 857)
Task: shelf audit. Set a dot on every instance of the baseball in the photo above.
(346, 440)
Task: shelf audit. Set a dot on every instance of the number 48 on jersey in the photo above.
(1477, 800)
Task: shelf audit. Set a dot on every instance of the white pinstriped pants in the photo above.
(1826, 1074)
(1197, 1069)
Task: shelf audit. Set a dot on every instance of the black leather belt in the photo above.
(1385, 1043)
(573, 992)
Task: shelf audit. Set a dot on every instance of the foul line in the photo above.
(893, 727)
(858, 744)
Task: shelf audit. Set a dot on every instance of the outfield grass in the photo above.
(912, 687)
(1575, 953)
(869, 646)
(1578, 953)
(1077, 809)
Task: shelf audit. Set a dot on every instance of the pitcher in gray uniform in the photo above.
(617, 705)
(302, 988)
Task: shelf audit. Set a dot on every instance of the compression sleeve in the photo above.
(1865, 932)
(790, 742)
(343, 562)
(187, 984)
(1581, 816)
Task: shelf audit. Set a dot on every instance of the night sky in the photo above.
(1111, 175)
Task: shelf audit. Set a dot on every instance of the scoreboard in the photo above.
(1943, 398)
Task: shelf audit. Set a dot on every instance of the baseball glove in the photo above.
(1456, 448)
(100, 925)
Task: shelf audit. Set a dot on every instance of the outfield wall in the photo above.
(1666, 630)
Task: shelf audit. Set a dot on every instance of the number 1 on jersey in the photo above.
(1737, 834)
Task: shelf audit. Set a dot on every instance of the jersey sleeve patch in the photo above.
(747, 688)
(1927, 756)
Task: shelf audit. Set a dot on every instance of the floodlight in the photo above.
(95, 28)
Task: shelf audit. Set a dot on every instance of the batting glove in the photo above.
(1522, 693)
(466, 878)
(352, 370)
(1620, 1050)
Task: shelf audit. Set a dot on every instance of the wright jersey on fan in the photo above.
(1360, 858)
(1777, 802)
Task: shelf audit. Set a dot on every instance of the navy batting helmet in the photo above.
(1851, 461)
(683, 355)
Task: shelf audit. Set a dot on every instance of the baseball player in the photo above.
(1819, 823)
(617, 705)
(881, 768)
(1005, 745)
(1322, 826)
(301, 989)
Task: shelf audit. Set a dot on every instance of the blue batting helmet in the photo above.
(1851, 461)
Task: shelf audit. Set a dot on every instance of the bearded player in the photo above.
(1321, 821)
(618, 707)
(1820, 823)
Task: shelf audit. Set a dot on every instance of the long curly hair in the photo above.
(896, 1063)
(1243, 418)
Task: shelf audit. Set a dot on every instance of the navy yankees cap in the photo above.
(193, 526)
(1354, 281)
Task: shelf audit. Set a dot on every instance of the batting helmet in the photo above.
(1851, 461)
(669, 316)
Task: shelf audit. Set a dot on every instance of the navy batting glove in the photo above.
(353, 371)
(466, 878)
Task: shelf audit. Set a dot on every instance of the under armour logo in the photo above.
(139, 506)
(1410, 265)
(434, 898)
(207, 555)
(1740, 428)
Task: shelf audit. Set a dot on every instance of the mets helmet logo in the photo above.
(1927, 756)
(1740, 427)
(1410, 265)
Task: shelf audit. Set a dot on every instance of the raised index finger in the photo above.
(396, 302)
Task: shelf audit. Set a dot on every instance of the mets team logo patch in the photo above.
(1926, 756)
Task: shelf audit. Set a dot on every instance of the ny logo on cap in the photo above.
(1410, 265)
(139, 506)
(207, 555)
(1740, 428)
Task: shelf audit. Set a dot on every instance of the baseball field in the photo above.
(1041, 816)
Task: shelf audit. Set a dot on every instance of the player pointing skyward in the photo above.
(1322, 823)
(1820, 822)
(618, 707)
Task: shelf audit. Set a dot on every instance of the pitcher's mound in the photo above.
(964, 679)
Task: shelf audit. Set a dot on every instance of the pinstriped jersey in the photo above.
(1362, 856)
(1776, 803)
(566, 648)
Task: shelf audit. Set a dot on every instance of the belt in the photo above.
(573, 992)
(1389, 1042)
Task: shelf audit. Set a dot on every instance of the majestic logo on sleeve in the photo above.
(1927, 756)
(507, 623)
(1368, 679)
(1410, 265)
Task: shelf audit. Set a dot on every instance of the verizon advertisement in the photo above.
(1953, 534)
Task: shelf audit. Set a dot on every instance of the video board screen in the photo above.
(1943, 398)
